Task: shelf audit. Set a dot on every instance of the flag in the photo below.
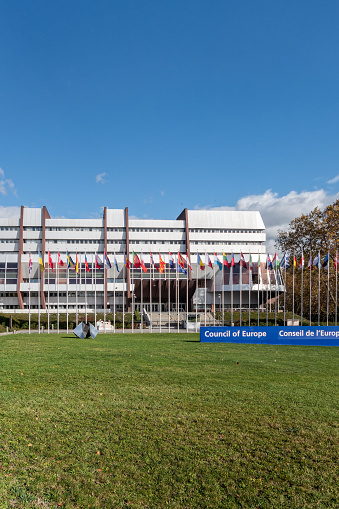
(127, 262)
(217, 261)
(316, 261)
(107, 263)
(336, 261)
(232, 261)
(268, 264)
(285, 262)
(302, 262)
(76, 263)
(188, 261)
(143, 266)
(242, 261)
(86, 264)
(162, 264)
(181, 269)
(225, 261)
(171, 260)
(60, 262)
(275, 261)
(181, 260)
(250, 264)
(208, 260)
(326, 262)
(201, 263)
(41, 263)
(310, 264)
(30, 264)
(98, 262)
(294, 261)
(136, 260)
(152, 261)
(50, 263)
(116, 264)
(70, 263)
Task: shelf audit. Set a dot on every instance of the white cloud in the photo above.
(9, 212)
(6, 184)
(334, 180)
(100, 178)
(278, 211)
(162, 193)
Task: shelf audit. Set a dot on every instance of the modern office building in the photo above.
(199, 237)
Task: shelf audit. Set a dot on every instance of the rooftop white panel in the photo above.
(237, 219)
(115, 217)
(74, 223)
(32, 217)
(156, 223)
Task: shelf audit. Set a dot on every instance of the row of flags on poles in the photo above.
(183, 263)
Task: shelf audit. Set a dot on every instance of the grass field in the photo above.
(156, 421)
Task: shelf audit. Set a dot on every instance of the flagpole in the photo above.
(196, 298)
(29, 296)
(275, 293)
(258, 289)
(67, 288)
(178, 292)
(268, 283)
(205, 290)
(39, 294)
(95, 291)
(114, 285)
(310, 267)
(150, 293)
(160, 317)
(169, 294)
(222, 291)
(293, 289)
(319, 289)
(86, 306)
(249, 290)
(49, 268)
(187, 292)
(328, 286)
(231, 274)
(285, 290)
(142, 294)
(336, 287)
(302, 285)
(123, 295)
(57, 287)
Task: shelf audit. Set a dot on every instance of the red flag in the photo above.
(60, 262)
(162, 264)
(50, 263)
(242, 261)
(181, 260)
(232, 261)
(127, 262)
(86, 264)
(188, 262)
(136, 260)
(97, 264)
(143, 266)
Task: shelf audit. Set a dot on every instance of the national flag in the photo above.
(162, 264)
(275, 261)
(136, 260)
(70, 263)
(268, 264)
(86, 264)
(285, 262)
(208, 260)
(116, 264)
(107, 263)
(127, 262)
(232, 260)
(29, 264)
(250, 263)
(242, 261)
(152, 262)
(217, 261)
(201, 263)
(98, 262)
(326, 262)
(188, 261)
(310, 263)
(143, 266)
(302, 261)
(41, 263)
(76, 263)
(171, 260)
(181, 260)
(294, 261)
(181, 269)
(50, 262)
(225, 261)
(316, 261)
(336, 261)
(60, 262)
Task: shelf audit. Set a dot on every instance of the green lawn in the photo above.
(156, 421)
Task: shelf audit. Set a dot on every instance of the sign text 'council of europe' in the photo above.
(315, 336)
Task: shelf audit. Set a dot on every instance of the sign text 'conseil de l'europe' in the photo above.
(315, 336)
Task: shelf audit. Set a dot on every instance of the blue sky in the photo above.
(161, 105)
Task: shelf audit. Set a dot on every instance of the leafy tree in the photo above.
(315, 290)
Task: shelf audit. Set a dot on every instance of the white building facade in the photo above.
(200, 236)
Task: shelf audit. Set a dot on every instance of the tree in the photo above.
(310, 235)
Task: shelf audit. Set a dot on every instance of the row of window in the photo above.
(223, 230)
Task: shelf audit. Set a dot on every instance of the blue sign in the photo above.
(315, 336)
